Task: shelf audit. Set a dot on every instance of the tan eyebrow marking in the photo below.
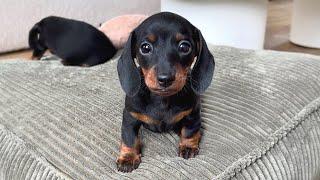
(179, 37)
(152, 38)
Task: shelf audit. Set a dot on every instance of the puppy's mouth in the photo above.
(173, 89)
(164, 91)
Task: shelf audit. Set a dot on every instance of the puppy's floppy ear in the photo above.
(202, 71)
(128, 72)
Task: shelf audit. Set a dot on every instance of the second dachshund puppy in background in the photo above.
(75, 42)
(163, 92)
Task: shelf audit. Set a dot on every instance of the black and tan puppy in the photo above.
(75, 42)
(162, 93)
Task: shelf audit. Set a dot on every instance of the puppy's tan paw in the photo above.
(128, 162)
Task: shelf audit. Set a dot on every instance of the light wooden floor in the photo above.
(24, 54)
(276, 37)
(278, 28)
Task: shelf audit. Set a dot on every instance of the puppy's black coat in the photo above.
(75, 42)
(162, 93)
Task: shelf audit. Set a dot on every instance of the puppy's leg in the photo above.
(190, 136)
(36, 42)
(91, 61)
(130, 152)
(77, 61)
(98, 59)
(37, 54)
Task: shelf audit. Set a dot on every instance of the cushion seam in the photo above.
(270, 142)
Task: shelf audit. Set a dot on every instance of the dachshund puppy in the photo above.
(163, 69)
(76, 43)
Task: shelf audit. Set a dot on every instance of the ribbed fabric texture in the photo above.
(261, 120)
(18, 161)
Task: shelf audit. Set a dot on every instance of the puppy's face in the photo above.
(165, 53)
(165, 46)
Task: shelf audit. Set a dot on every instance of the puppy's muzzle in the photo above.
(165, 80)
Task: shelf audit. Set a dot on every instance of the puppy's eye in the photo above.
(184, 47)
(145, 48)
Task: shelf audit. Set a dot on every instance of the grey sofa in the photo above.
(261, 120)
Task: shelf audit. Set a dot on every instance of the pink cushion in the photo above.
(118, 29)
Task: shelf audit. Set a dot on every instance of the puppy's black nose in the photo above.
(165, 80)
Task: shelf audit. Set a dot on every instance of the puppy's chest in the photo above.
(163, 113)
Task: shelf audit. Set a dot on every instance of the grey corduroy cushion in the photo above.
(261, 120)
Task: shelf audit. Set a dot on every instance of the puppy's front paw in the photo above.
(189, 147)
(188, 152)
(128, 162)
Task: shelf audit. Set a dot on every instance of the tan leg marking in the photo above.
(189, 147)
(130, 157)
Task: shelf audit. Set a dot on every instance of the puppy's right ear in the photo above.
(128, 72)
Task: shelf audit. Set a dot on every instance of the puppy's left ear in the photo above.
(128, 72)
(202, 71)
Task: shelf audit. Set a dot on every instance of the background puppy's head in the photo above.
(165, 46)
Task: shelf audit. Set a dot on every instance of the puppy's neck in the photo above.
(160, 98)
